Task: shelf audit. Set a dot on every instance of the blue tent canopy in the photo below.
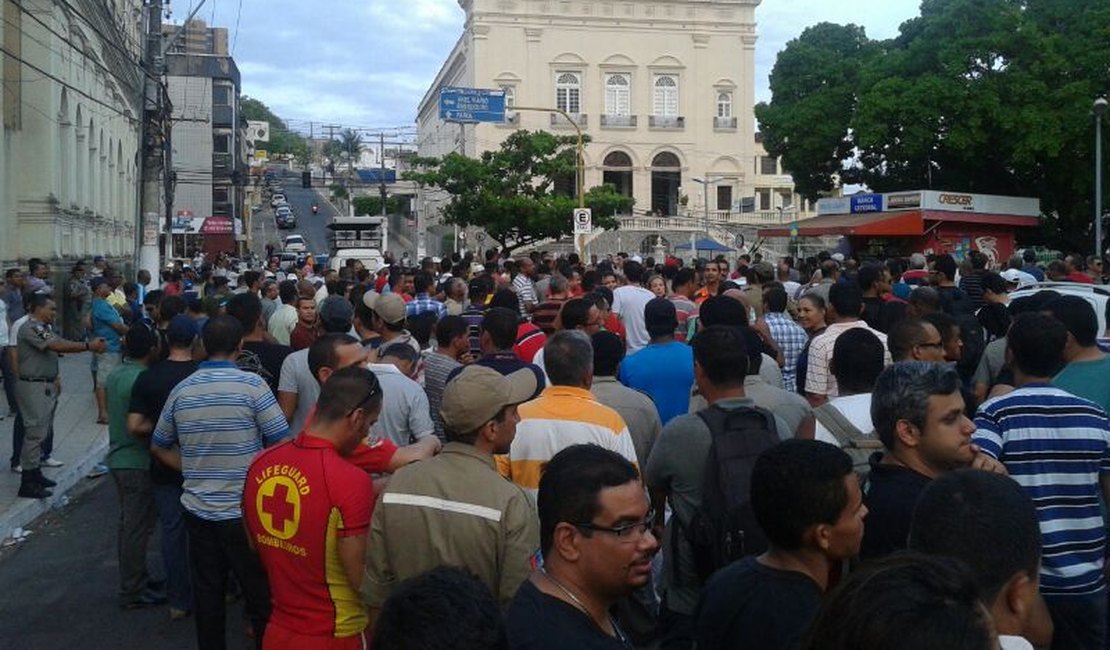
(706, 244)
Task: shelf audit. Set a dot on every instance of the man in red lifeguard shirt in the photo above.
(333, 352)
(307, 510)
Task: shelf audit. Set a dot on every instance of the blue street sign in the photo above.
(867, 203)
(471, 104)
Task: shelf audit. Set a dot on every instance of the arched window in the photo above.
(724, 104)
(617, 159)
(568, 92)
(617, 171)
(618, 94)
(666, 159)
(666, 95)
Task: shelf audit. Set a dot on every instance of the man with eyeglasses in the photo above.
(916, 340)
(308, 512)
(455, 508)
(597, 544)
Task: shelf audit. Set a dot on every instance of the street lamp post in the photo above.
(1099, 108)
(705, 183)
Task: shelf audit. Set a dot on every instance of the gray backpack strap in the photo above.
(847, 434)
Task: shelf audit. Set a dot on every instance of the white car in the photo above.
(1096, 294)
(294, 244)
(277, 200)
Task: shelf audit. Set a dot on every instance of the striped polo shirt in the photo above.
(221, 417)
(1057, 447)
(560, 417)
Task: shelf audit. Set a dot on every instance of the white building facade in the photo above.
(72, 106)
(664, 90)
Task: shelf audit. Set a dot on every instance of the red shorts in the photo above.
(280, 638)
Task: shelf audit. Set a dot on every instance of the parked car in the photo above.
(1096, 294)
(294, 244)
(276, 199)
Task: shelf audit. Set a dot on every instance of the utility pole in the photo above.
(152, 143)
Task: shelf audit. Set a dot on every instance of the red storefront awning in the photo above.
(877, 224)
(903, 223)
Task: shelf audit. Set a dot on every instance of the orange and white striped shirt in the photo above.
(560, 417)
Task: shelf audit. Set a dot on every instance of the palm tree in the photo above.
(350, 142)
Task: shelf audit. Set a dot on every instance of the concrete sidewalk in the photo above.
(79, 442)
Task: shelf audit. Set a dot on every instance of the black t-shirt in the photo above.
(263, 359)
(890, 497)
(872, 310)
(149, 395)
(750, 605)
(538, 621)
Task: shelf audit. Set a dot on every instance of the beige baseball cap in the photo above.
(475, 395)
(389, 306)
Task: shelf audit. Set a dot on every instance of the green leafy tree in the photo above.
(372, 205)
(989, 96)
(282, 140)
(814, 84)
(518, 192)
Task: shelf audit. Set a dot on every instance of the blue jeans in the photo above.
(1079, 621)
(175, 545)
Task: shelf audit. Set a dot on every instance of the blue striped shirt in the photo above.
(422, 303)
(221, 417)
(1057, 447)
(791, 339)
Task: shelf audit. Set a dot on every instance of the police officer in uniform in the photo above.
(36, 393)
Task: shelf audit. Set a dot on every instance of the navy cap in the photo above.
(182, 330)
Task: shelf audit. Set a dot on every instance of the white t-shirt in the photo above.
(3, 324)
(1008, 642)
(628, 303)
(297, 378)
(13, 334)
(857, 408)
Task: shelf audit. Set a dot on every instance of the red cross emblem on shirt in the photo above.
(279, 506)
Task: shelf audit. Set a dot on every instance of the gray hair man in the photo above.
(918, 413)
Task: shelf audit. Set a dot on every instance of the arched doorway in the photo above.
(666, 177)
(617, 171)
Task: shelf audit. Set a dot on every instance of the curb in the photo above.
(25, 511)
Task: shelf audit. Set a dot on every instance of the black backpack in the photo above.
(723, 529)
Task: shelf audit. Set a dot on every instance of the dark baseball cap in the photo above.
(336, 314)
(182, 330)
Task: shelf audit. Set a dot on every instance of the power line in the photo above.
(104, 38)
(69, 86)
(65, 40)
(235, 36)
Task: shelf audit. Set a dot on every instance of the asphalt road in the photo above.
(312, 227)
(58, 588)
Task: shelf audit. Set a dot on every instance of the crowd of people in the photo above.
(551, 452)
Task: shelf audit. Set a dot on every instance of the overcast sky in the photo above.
(367, 63)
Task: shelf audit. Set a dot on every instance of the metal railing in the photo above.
(620, 121)
(724, 122)
(667, 122)
(561, 119)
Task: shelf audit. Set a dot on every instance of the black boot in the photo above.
(42, 480)
(30, 488)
